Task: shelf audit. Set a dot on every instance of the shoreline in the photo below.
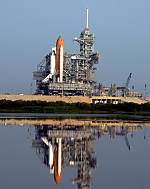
(71, 122)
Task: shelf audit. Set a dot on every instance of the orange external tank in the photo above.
(57, 176)
(59, 58)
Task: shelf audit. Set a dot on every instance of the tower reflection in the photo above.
(68, 145)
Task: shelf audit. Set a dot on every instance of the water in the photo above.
(51, 115)
(92, 157)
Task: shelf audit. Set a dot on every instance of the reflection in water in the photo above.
(64, 146)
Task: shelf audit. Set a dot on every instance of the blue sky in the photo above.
(29, 28)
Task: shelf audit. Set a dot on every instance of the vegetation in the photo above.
(62, 107)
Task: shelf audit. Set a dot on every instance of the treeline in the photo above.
(62, 107)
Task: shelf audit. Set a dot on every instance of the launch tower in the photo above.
(85, 61)
(69, 74)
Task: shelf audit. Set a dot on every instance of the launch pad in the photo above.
(66, 74)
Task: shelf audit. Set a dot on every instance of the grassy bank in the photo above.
(62, 107)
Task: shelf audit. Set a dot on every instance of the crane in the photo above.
(125, 89)
(128, 80)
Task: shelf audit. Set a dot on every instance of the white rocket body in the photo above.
(51, 158)
(61, 63)
(59, 156)
(53, 61)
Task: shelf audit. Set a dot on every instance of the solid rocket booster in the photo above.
(52, 65)
(51, 157)
(59, 59)
(59, 156)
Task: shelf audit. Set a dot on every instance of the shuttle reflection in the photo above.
(65, 146)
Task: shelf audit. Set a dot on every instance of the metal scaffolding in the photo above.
(78, 72)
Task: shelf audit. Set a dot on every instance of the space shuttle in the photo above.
(55, 158)
(56, 62)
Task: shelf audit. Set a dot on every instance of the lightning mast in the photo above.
(87, 18)
(87, 58)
